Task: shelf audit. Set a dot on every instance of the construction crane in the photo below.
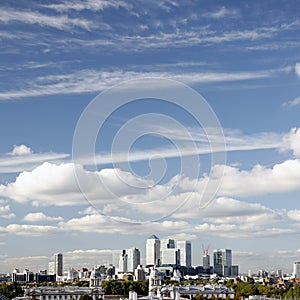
(205, 250)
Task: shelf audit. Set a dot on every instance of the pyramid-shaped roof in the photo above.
(153, 237)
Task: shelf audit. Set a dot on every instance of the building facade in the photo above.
(133, 259)
(185, 248)
(296, 269)
(58, 264)
(222, 262)
(153, 251)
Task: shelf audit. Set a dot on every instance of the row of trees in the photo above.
(114, 287)
(244, 289)
(11, 290)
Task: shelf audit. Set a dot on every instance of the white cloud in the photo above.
(109, 225)
(293, 102)
(5, 212)
(297, 69)
(260, 180)
(227, 210)
(40, 217)
(20, 150)
(221, 13)
(294, 215)
(93, 5)
(87, 81)
(25, 262)
(291, 141)
(61, 22)
(30, 230)
(57, 185)
(22, 158)
(242, 231)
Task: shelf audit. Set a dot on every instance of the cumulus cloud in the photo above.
(20, 150)
(260, 180)
(40, 217)
(294, 215)
(5, 212)
(291, 141)
(30, 230)
(297, 69)
(57, 184)
(104, 225)
(227, 210)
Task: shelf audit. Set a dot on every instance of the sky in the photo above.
(123, 119)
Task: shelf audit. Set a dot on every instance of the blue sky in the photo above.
(57, 56)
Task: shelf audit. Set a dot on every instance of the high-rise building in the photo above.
(51, 268)
(58, 264)
(185, 248)
(139, 273)
(170, 257)
(167, 244)
(123, 262)
(153, 251)
(133, 259)
(206, 261)
(169, 254)
(222, 262)
(115, 256)
(296, 269)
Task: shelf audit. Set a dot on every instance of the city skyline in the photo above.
(121, 119)
(220, 262)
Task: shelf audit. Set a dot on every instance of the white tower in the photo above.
(152, 251)
(296, 269)
(123, 268)
(185, 248)
(133, 259)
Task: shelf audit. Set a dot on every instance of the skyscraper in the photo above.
(222, 262)
(58, 264)
(296, 269)
(133, 259)
(123, 268)
(169, 254)
(206, 261)
(185, 248)
(152, 251)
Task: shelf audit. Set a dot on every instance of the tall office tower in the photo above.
(206, 261)
(169, 255)
(123, 262)
(152, 251)
(296, 269)
(167, 244)
(222, 262)
(51, 268)
(133, 259)
(115, 257)
(58, 264)
(185, 248)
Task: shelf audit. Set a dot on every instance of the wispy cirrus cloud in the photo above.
(61, 22)
(221, 13)
(87, 81)
(22, 158)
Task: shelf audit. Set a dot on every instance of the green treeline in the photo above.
(115, 287)
(11, 290)
(244, 289)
